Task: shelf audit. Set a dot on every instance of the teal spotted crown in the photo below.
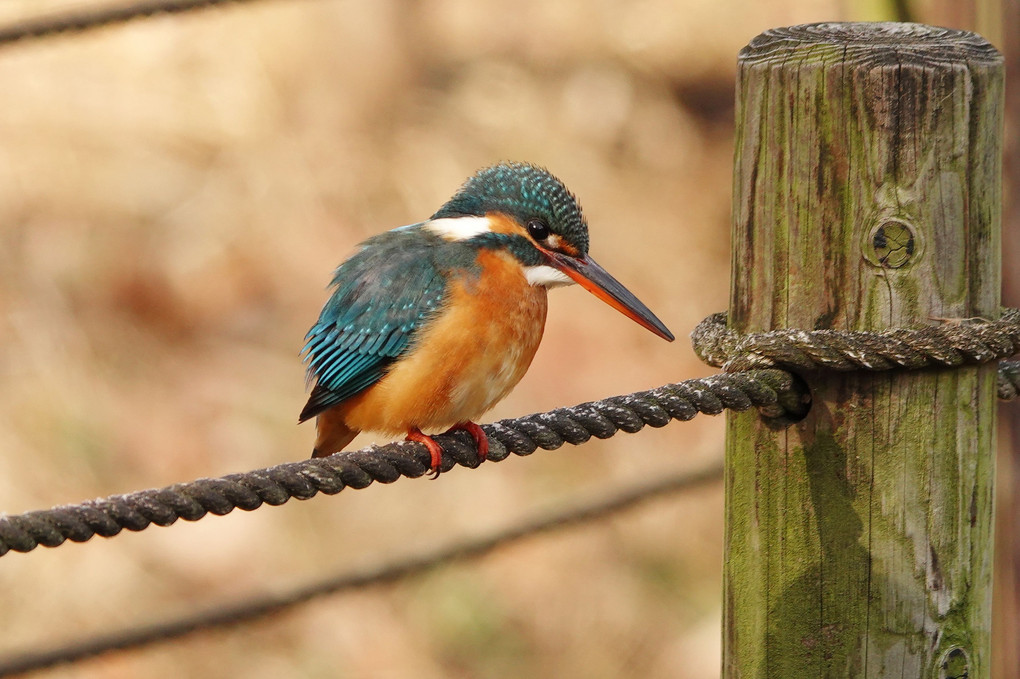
(524, 192)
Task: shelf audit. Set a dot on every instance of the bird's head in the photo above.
(528, 212)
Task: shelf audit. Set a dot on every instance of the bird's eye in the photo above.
(538, 229)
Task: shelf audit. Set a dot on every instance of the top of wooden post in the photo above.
(879, 43)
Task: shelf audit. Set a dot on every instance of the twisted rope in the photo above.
(950, 344)
(87, 19)
(265, 604)
(774, 391)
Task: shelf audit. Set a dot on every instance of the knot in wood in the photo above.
(893, 244)
(955, 664)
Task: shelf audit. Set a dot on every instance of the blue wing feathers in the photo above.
(381, 296)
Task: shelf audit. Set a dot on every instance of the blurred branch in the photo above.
(79, 21)
(266, 604)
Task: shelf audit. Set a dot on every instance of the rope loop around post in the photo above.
(951, 343)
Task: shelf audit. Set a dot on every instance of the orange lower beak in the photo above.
(596, 280)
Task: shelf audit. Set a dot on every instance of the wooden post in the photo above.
(867, 191)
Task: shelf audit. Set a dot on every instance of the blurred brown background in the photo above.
(174, 195)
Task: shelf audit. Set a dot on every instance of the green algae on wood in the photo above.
(866, 196)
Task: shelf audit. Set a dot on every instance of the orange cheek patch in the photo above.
(559, 245)
(501, 223)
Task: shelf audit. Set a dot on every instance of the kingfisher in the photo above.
(430, 325)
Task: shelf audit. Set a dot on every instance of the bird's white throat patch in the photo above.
(459, 228)
(546, 275)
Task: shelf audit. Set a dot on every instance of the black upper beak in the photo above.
(600, 283)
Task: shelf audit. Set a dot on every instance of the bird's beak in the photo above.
(600, 283)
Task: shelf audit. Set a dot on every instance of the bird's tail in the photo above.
(333, 434)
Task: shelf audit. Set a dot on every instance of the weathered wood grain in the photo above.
(867, 196)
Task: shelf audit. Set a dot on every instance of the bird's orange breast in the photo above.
(466, 360)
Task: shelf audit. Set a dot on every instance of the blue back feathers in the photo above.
(381, 295)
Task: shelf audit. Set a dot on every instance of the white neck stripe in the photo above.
(459, 228)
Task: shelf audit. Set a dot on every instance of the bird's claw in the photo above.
(436, 451)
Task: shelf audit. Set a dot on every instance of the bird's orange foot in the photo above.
(477, 434)
(434, 450)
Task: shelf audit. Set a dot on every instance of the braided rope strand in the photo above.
(1008, 386)
(262, 605)
(766, 389)
(950, 344)
(82, 20)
